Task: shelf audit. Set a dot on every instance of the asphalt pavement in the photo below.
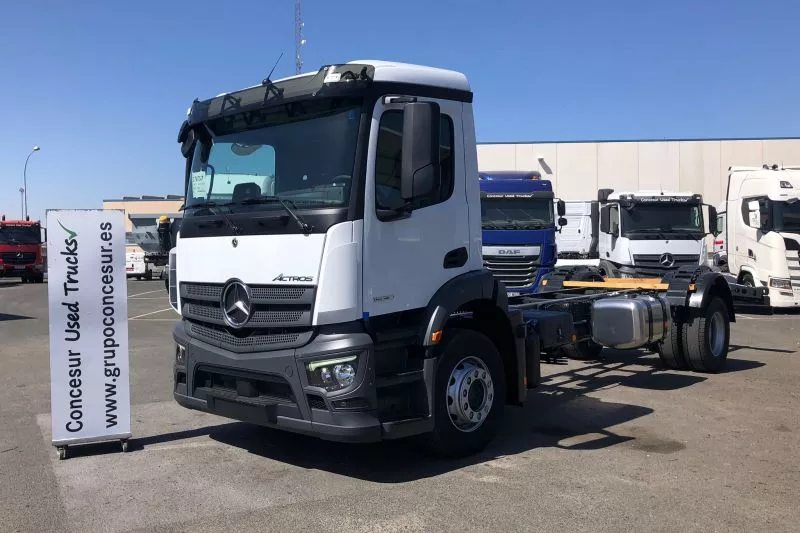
(617, 445)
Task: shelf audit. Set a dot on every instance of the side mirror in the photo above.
(562, 222)
(605, 220)
(420, 167)
(187, 146)
(754, 214)
(713, 227)
(561, 208)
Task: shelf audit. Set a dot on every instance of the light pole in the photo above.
(21, 202)
(25, 183)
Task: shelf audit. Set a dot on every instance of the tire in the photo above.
(608, 269)
(671, 349)
(706, 338)
(747, 280)
(582, 351)
(461, 353)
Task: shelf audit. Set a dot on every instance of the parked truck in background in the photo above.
(762, 230)
(518, 228)
(636, 234)
(21, 253)
(329, 277)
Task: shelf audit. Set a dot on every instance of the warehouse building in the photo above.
(579, 169)
(141, 216)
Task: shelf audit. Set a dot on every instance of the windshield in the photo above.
(516, 213)
(671, 218)
(20, 235)
(304, 155)
(787, 216)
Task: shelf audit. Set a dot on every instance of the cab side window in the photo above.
(614, 218)
(389, 156)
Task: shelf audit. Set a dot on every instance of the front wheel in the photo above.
(469, 394)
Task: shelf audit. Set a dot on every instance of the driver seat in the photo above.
(245, 191)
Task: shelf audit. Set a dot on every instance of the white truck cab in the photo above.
(635, 234)
(762, 230)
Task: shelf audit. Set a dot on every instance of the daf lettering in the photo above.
(509, 252)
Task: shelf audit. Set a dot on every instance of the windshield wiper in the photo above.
(211, 207)
(288, 205)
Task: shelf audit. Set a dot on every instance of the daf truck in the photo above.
(518, 228)
(761, 232)
(329, 278)
(636, 234)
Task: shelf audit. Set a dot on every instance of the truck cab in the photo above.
(21, 254)
(640, 234)
(518, 228)
(762, 230)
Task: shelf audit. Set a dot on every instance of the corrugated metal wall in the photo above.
(579, 169)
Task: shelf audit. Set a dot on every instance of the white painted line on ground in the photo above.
(155, 319)
(150, 313)
(141, 293)
(150, 298)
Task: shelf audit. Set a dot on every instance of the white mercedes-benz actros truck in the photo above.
(636, 234)
(329, 277)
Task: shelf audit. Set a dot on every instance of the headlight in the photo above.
(781, 283)
(332, 374)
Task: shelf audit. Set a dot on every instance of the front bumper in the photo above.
(11, 270)
(272, 388)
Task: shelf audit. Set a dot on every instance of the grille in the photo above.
(250, 342)
(514, 272)
(281, 316)
(251, 387)
(206, 312)
(648, 265)
(316, 402)
(24, 258)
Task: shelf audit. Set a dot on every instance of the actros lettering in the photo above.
(282, 277)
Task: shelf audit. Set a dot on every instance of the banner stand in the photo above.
(88, 328)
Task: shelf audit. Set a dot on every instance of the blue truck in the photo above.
(519, 228)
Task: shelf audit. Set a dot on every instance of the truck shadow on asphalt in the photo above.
(558, 414)
(4, 317)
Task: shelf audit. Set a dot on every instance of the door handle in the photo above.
(455, 258)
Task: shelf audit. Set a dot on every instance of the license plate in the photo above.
(513, 294)
(19, 268)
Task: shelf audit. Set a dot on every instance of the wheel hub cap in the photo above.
(470, 394)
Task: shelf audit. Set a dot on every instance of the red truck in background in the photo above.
(21, 254)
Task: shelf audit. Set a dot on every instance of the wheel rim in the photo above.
(716, 335)
(469, 394)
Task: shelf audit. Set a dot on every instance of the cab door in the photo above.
(406, 260)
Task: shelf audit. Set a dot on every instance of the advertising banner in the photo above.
(88, 302)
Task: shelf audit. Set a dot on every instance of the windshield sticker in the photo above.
(200, 183)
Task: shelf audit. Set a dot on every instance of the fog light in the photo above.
(332, 374)
(345, 374)
(180, 354)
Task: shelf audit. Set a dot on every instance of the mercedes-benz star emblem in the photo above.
(19, 255)
(236, 304)
(667, 260)
(235, 242)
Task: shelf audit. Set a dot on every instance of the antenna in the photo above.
(299, 42)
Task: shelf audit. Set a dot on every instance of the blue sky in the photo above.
(102, 87)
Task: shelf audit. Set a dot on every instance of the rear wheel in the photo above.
(670, 350)
(706, 337)
(469, 394)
